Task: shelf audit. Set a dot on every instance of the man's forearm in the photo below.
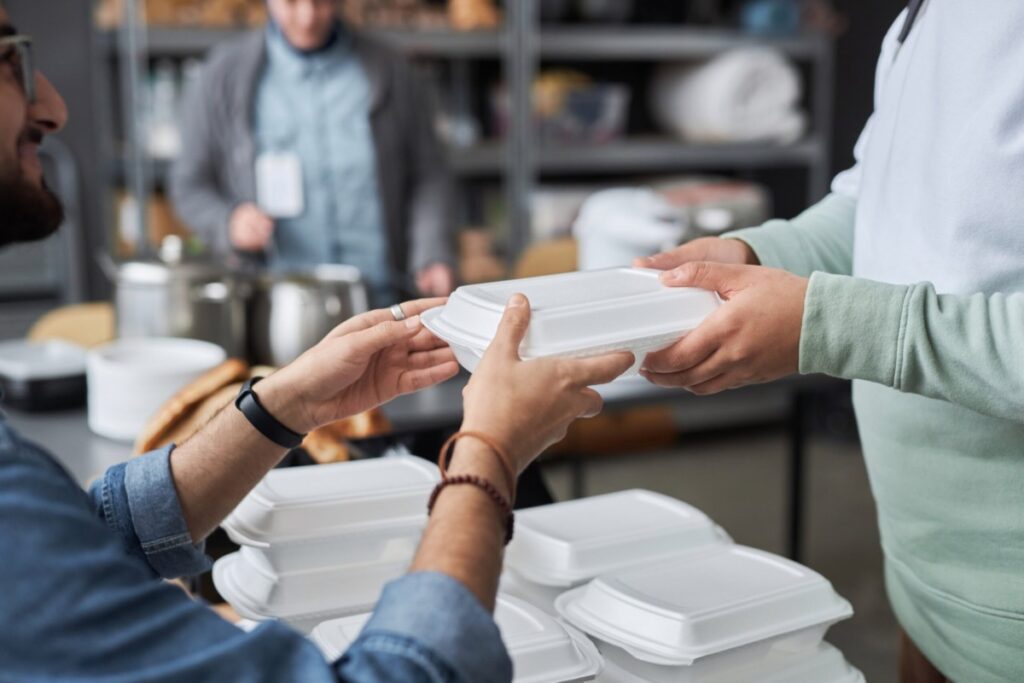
(215, 469)
(465, 538)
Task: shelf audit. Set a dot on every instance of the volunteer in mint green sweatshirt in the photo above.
(909, 280)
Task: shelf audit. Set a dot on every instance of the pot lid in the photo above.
(156, 272)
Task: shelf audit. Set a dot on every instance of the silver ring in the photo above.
(397, 311)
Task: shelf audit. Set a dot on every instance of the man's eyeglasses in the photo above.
(17, 52)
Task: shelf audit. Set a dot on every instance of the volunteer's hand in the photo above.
(436, 280)
(249, 228)
(713, 249)
(753, 337)
(362, 363)
(527, 406)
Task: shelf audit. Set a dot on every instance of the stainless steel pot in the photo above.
(291, 312)
(194, 300)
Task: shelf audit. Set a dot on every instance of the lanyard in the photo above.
(913, 7)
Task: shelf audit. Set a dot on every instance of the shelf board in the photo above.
(632, 155)
(487, 158)
(446, 42)
(196, 41)
(661, 43)
(651, 155)
(627, 42)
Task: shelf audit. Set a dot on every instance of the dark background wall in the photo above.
(856, 56)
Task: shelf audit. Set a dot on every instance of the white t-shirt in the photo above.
(939, 179)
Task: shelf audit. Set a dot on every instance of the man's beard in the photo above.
(27, 212)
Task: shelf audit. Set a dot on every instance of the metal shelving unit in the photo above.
(657, 154)
(520, 47)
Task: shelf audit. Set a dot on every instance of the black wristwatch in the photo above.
(265, 423)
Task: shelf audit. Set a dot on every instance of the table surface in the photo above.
(66, 434)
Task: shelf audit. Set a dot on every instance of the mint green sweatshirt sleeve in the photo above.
(821, 238)
(967, 350)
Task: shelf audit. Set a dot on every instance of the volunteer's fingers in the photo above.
(424, 340)
(367, 320)
(416, 380)
(706, 370)
(717, 277)
(671, 258)
(367, 342)
(592, 403)
(426, 359)
(688, 352)
(600, 369)
(512, 329)
(715, 385)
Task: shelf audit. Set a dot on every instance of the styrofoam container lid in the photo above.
(565, 544)
(676, 611)
(576, 314)
(542, 649)
(301, 596)
(823, 664)
(324, 500)
(25, 361)
(534, 593)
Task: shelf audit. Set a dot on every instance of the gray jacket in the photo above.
(216, 170)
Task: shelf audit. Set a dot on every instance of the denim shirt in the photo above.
(317, 107)
(83, 598)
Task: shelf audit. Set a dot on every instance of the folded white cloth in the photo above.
(744, 95)
(615, 226)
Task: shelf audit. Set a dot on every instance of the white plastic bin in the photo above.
(679, 611)
(542, 649)
(130, 379)
(579, 314)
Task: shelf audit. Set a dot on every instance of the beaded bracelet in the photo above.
(503, 457)
(485, 486)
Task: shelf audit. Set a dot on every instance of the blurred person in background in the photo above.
(309, 143)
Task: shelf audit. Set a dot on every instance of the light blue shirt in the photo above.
(317, 107)
(84, 601)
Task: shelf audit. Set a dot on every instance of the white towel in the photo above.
(615, 226)
(744, 95)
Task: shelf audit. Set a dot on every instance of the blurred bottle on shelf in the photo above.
(163, 136)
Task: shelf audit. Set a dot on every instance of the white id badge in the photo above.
(279, 185)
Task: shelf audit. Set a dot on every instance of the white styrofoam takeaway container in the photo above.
(565, 544)
(304, 518)
(579, 314)
(678, 611)
(542, 649)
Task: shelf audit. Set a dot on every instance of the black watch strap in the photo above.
(265, 423)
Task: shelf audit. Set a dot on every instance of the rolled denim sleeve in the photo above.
(428, 627)
(138, 501)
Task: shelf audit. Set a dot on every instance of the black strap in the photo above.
(265, 423)
(913, 7)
